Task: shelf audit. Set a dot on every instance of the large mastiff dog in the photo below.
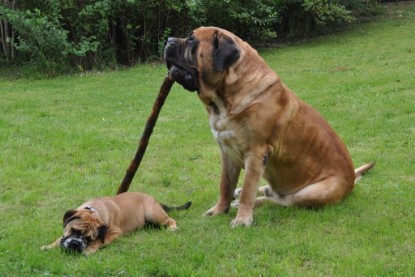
(260, 126)
(98, 222)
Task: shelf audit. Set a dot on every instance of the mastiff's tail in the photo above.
(361, 170)
(179, 208)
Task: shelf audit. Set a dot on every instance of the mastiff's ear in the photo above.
(225, 52)
(69, 216)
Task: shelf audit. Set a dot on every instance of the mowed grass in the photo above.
(66, 140)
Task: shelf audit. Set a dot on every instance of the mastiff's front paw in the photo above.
(242, 221)
(216, 210)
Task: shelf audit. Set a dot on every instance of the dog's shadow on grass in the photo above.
(152, 227)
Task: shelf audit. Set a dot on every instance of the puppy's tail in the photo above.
(361, 170)
(179, 208)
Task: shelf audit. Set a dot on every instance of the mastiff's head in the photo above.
(202, 57)
(81, 228)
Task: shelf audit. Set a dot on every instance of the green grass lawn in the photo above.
(66, 140)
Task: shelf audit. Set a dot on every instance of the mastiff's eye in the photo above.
(192, 43)
(191, 39)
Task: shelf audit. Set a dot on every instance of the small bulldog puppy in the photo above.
(98, 222)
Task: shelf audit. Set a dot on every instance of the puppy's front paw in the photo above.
(45, 247)
(242, 221)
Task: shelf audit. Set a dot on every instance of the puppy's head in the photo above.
(202, 57)
(82, 227)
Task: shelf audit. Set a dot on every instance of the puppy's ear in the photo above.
(225, 52)
(102, 231)
(69, 215)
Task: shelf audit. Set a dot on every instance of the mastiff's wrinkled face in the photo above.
(81, 228)
(201, 57)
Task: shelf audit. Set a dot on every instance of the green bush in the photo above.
(38, 39)
(325, 12)
(41, 41)
(252, 20)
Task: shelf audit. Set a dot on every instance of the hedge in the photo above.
(89, 34)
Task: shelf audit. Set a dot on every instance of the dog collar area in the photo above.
(91, 209)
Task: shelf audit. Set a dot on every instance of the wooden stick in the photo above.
(145, 137)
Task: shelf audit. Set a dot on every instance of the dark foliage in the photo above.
(57, 35)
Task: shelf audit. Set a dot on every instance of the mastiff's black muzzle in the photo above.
(179, 55)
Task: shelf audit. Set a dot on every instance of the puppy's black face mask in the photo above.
(73, 243)
(179, 55)
(77, 242)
